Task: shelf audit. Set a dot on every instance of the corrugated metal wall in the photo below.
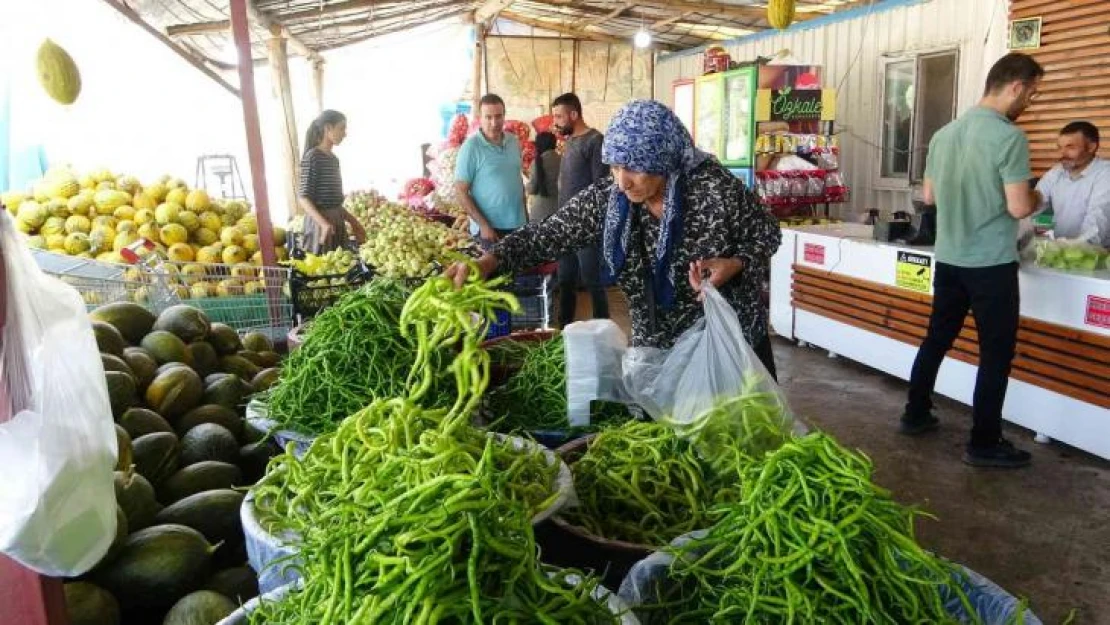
(849, 47)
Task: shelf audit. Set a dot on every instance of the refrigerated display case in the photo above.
(724, 112)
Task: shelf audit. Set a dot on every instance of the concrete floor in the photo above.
(1042, 533)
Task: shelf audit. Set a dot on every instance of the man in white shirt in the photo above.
(1078, 189)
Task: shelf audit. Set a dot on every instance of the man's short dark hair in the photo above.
(491, 98)
(1013, 66)
(570, 101)
(1086, 128)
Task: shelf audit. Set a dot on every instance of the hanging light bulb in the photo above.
(642, 38)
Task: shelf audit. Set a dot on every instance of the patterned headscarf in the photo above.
(647, 137)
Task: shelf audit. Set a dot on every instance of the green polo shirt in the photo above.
(969, 161)
(496, 182)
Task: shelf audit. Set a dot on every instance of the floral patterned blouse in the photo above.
(721, 219)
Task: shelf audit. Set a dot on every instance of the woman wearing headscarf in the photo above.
(670, 218)
(543, 180)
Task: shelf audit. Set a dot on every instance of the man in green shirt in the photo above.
(978, 174)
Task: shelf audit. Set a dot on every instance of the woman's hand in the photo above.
(358, 230)
(459, 272)
(717, 271)
(326, 230)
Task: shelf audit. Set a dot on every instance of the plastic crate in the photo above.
(535, 293)
(311, 294)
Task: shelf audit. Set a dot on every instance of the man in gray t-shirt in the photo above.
(581, 167)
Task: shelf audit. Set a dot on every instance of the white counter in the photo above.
(1057, 308)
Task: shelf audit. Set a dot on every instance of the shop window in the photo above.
(919, 97)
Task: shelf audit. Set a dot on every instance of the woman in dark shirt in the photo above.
(543, 180)
(670, 218)
(321, 187)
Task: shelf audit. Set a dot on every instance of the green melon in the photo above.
(265, 379)
(214, 513)
(187, 323)
(198, 478)
(89, 604)
(205, 359)
(157, 567)
(225, 339)
(175, 392)
(269, 359)
(211, 413)
(208, 441)
(237, 365)
(124, 452)
(156, 456)
(122, 393)
(255, 457)
(108, 338)
(228, 391)
(165, 347)
(133, 321)
(239, 583)
(142, 365)
(117, 543)
(203, 607)
(141, 421)
(115, 363)
(257, 342)
(135, 497)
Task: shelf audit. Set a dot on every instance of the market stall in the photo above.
(836, 288)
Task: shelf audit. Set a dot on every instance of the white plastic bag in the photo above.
(711, 370)
(57, 437)
(594, 350)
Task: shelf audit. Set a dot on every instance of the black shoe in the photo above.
(1002, 455)
(912, 426)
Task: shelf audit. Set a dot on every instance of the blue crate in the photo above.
(501, 327)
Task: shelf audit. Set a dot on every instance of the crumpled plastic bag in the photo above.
(57, 436)
(710, 379)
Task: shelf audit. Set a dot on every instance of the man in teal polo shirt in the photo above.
(488, 177)
(978, 176)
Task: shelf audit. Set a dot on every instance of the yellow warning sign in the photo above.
(914, 272)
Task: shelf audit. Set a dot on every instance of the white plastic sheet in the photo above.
(57, 437)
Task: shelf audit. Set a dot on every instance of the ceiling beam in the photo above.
(490, 9)
(671, 20)
(130, 14)
(278, 30)
(402, 24)
(573, 32)
(604, 18)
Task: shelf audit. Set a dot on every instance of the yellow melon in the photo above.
(248, 224)
(193, 270)
(155, 193)
(104, 221)
(200, 290)
(123, 239)
(78, 223)
(197, 200)
(110, 257)
(34, 214)
(37, 242)
(243, 270)
(224, 288)
(77, 243)
(174, 233)
(141, 295)
(53, 225)
(12, 199)
(180, 253)
(188, 219)
(81, 202)
(250, 243)
(227, 220)
(780, 13)
(108, 200)
(281, 253)
(208, 255)
(149, 231)
(204, 236)
(126, 225)
(144, 199)
(23, 226)
(176, 196)
(167, 213)
(256, 258)
(279, 236)
(57, 208)
(254, 287)
(144, 216)
(210, 220)
(130, 184)
(101, 239)
(88, 182)
(233, 254)
(58, 73)
(124, 212)
(231, 236)
(55, 242)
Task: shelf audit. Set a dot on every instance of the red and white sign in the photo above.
(1098, 311)
(815, 254)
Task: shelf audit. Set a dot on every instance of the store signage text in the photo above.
(913, 272)
(1098, 311)
(815, 254)
(789, 105)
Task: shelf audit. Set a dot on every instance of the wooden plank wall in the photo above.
(1067, 361)
(1075, 45)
